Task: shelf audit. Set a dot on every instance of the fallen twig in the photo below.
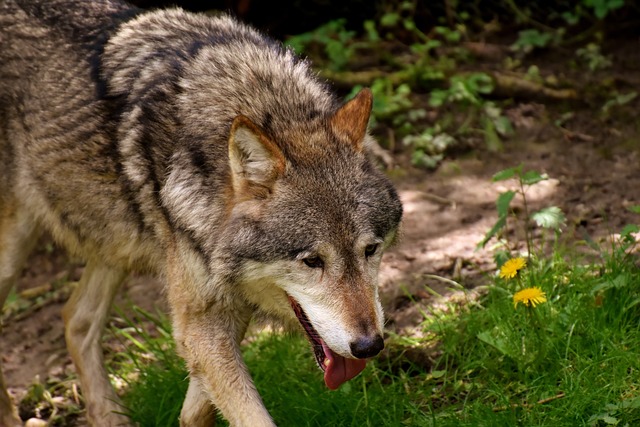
(507, 85)
(528, 405)
(516, 86)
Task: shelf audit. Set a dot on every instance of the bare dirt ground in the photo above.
(594, 169)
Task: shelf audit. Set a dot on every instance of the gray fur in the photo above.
(114, 135)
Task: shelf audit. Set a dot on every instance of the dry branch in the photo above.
(514, 85)
(511, 85)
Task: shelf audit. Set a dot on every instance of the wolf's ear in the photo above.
(255, 161)
(352, 118)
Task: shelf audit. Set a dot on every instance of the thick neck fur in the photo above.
(221, 69)
(197, 75)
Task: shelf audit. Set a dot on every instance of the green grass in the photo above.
(578, 353)
(571, 361)
(290, 383)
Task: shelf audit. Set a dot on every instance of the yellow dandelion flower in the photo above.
(510, 269)
(528, 296)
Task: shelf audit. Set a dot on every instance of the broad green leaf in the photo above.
(634, 209)
(533, 177)
(409, 24)
(503, 126)
(498, 343)
(570, 17)
(491, 138)
(506, 174)
(480, 83)
(634, 402)
(499, 225)
(372, 32)
(390, 19)
(551, 217)
(626, 98)
(503, 202)
(438, 97)
(620, 281)
(529, 39)
(601, 8)
(438, 374)
(629, 229)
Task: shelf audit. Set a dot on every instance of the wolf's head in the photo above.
(310, 220)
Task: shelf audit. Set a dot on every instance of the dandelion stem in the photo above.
(526, 218)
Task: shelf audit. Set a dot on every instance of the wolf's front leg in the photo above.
(209, 342)
(197, 409)
(208, 332)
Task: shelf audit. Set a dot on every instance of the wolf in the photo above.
(196, 149)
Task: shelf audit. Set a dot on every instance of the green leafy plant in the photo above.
(591, 55)
(465, 89)
(530, 39)
(335, 40)
(401, 16)
(601, 8)
(428, 147)
(617, 100)
(551, 341)
(394, 104)
(550, 217)
(496, 126)
(390, 102)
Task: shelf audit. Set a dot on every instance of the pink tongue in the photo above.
(340, 369)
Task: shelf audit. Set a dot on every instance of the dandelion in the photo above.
(510, 269)
(528, 296)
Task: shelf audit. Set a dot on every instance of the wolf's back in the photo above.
(32, 31)
(101, 97)
(57, 133)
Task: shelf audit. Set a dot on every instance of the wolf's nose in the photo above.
(365, 347)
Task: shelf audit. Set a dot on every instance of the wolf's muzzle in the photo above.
(365, 347)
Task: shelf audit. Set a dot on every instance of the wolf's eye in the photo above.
(370, 250)
(314, 262)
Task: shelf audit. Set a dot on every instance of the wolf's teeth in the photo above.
(327, 362)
